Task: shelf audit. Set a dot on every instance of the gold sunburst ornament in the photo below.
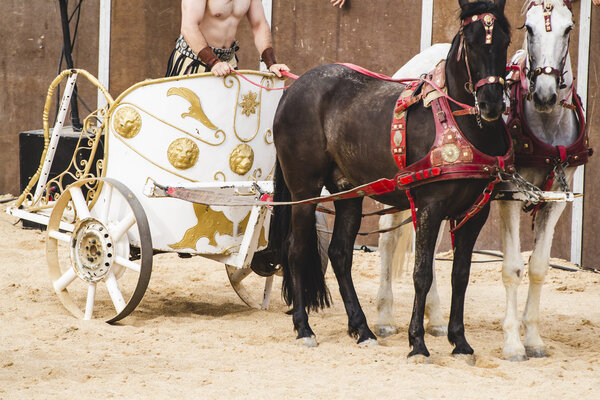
(127, 122)
(183, 153)
(249, 103)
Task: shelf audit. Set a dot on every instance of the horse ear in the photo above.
(500, 5)
(463, 3)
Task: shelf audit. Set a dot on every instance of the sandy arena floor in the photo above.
(192, 337)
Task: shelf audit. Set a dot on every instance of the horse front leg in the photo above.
(539, 262)
(512, 271)
(388, 246)
(347, 223)
(428, 226)
(464, 240)
(436, 324)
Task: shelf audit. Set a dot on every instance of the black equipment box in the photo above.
(31, 146)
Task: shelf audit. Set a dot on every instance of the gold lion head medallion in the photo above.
(241, 159)
(127, 122)
(183, 153)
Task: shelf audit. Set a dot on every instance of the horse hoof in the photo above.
(385, 330)
(310, 341)
(516, 358)
(418, 359)
(535, 352)
(468, 358)
(368, 343)
(437, 331)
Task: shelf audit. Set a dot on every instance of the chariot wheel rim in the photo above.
(99, 271)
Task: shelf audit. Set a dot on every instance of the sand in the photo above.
(192, 337)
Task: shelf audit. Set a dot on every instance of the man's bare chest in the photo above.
(223, 9)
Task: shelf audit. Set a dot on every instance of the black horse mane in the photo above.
(481, 7)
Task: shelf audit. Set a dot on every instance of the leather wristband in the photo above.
(208, 57)
(268, 57)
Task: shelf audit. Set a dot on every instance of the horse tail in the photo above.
(311, 275)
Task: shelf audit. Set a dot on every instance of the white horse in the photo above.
(396, 244)
(550, 81)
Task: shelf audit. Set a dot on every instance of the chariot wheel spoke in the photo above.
(79, 202)
(65, 280)
(105, 207)
(63, 237)
(127, 264)
(89, 302)
(115, 292)
(118, 230)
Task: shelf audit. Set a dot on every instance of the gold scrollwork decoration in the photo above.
(247, 105)
(256, 175)
(218, 175)
(183, 153)
(127, 122)
(269, 136)
(241, 159)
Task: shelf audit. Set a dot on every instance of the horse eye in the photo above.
(529, 30)
(568, 30)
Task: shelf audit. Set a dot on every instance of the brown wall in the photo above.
(591, 209)
(378, 34)
(31, 42)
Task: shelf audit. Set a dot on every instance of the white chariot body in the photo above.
(196, 131)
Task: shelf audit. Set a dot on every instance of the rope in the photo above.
(285, 73)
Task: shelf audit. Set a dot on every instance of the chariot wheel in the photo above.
(99, 252)
(254, 290)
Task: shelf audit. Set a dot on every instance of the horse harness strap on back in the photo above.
(452, 156)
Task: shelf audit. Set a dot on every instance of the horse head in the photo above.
(548, 24)
(482, 43)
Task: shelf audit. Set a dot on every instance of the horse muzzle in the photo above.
(491, 104)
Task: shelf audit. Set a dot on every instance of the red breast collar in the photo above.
(452, 156)
(531, 151)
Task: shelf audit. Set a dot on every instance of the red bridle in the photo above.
(548, 7)
(487, 21)
(547, 11)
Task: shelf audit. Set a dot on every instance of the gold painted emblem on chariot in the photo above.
(249, 103)
(450, 153)
(127, 122)
(183, 153)
(241, 159)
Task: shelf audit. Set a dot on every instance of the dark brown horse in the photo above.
(332, 129)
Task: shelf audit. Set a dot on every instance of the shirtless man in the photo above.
(207, 41)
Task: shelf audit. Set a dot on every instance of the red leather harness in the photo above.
(451, 156)
(531, 151)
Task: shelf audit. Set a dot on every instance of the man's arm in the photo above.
(192, 13)
(262, 37)
(340, 3)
